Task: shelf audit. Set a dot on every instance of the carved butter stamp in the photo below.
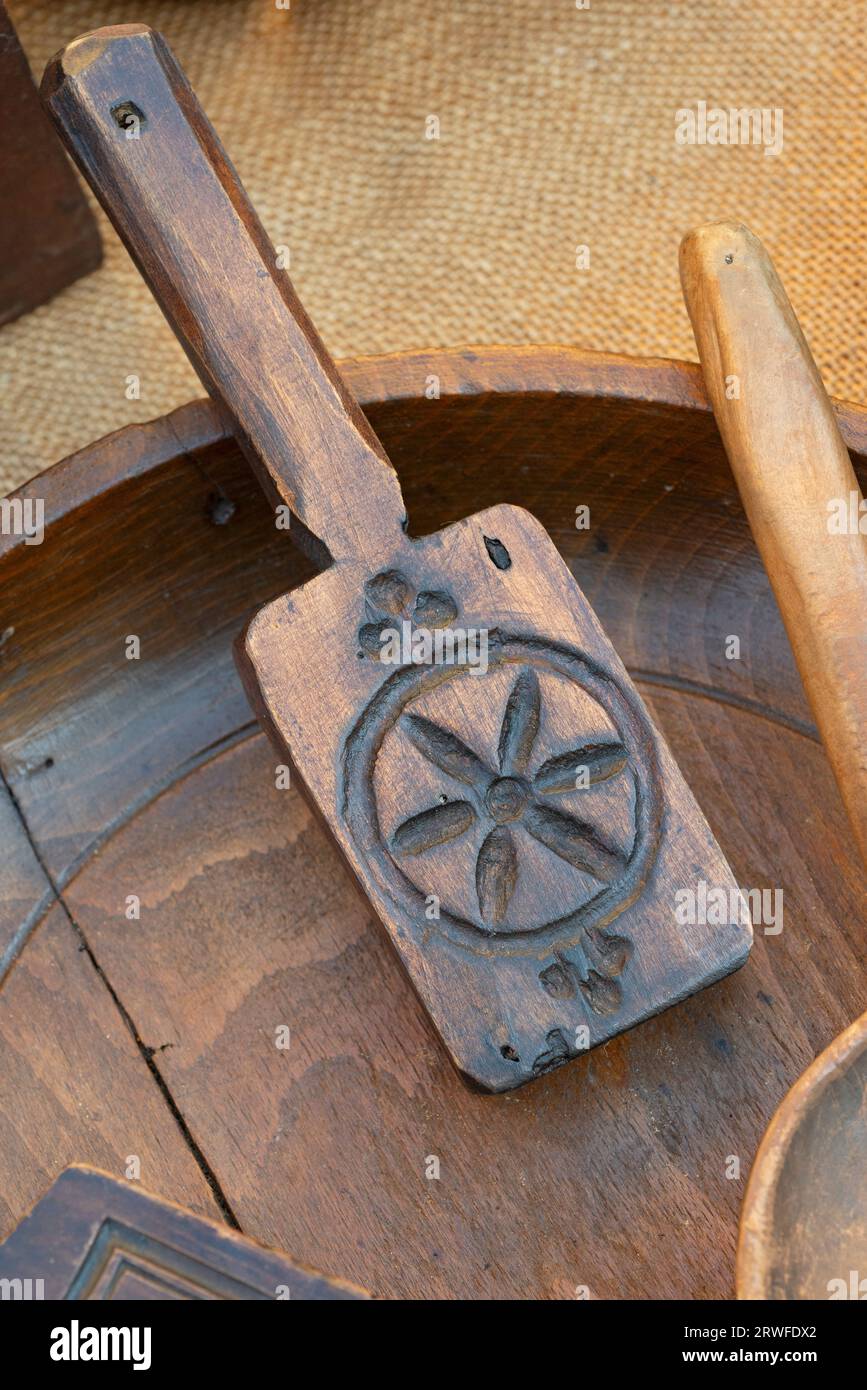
(507, 803)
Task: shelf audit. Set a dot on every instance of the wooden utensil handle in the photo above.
(796, 480)
(133, 125)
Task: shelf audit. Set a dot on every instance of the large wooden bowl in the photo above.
(149, 1043)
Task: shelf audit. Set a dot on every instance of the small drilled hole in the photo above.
(221, 509)
(729, 259)
(129, 117)
(497, 552)
(509, 1053)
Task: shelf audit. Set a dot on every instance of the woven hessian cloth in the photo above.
(557, 130)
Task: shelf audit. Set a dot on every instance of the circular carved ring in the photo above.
(506, 796)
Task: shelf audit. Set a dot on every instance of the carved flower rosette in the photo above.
(514, 810)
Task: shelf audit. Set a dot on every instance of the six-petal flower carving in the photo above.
(508, 797)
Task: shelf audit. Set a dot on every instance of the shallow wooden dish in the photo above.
(155, 1038)
(804, 1221)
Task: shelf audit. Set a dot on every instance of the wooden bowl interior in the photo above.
(804, 1224)
(149, 777)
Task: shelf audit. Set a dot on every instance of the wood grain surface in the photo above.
(608, 1175)
(74, 1084)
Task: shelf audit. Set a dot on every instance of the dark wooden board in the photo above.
(92, 1237)
(48, 235)
(608, 1174)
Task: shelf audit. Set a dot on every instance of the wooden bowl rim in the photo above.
(99, 467)
(752, 1261)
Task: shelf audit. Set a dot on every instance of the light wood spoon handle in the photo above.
(133, 125)
(796, 481)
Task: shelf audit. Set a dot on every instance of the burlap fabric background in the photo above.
(556, 130)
